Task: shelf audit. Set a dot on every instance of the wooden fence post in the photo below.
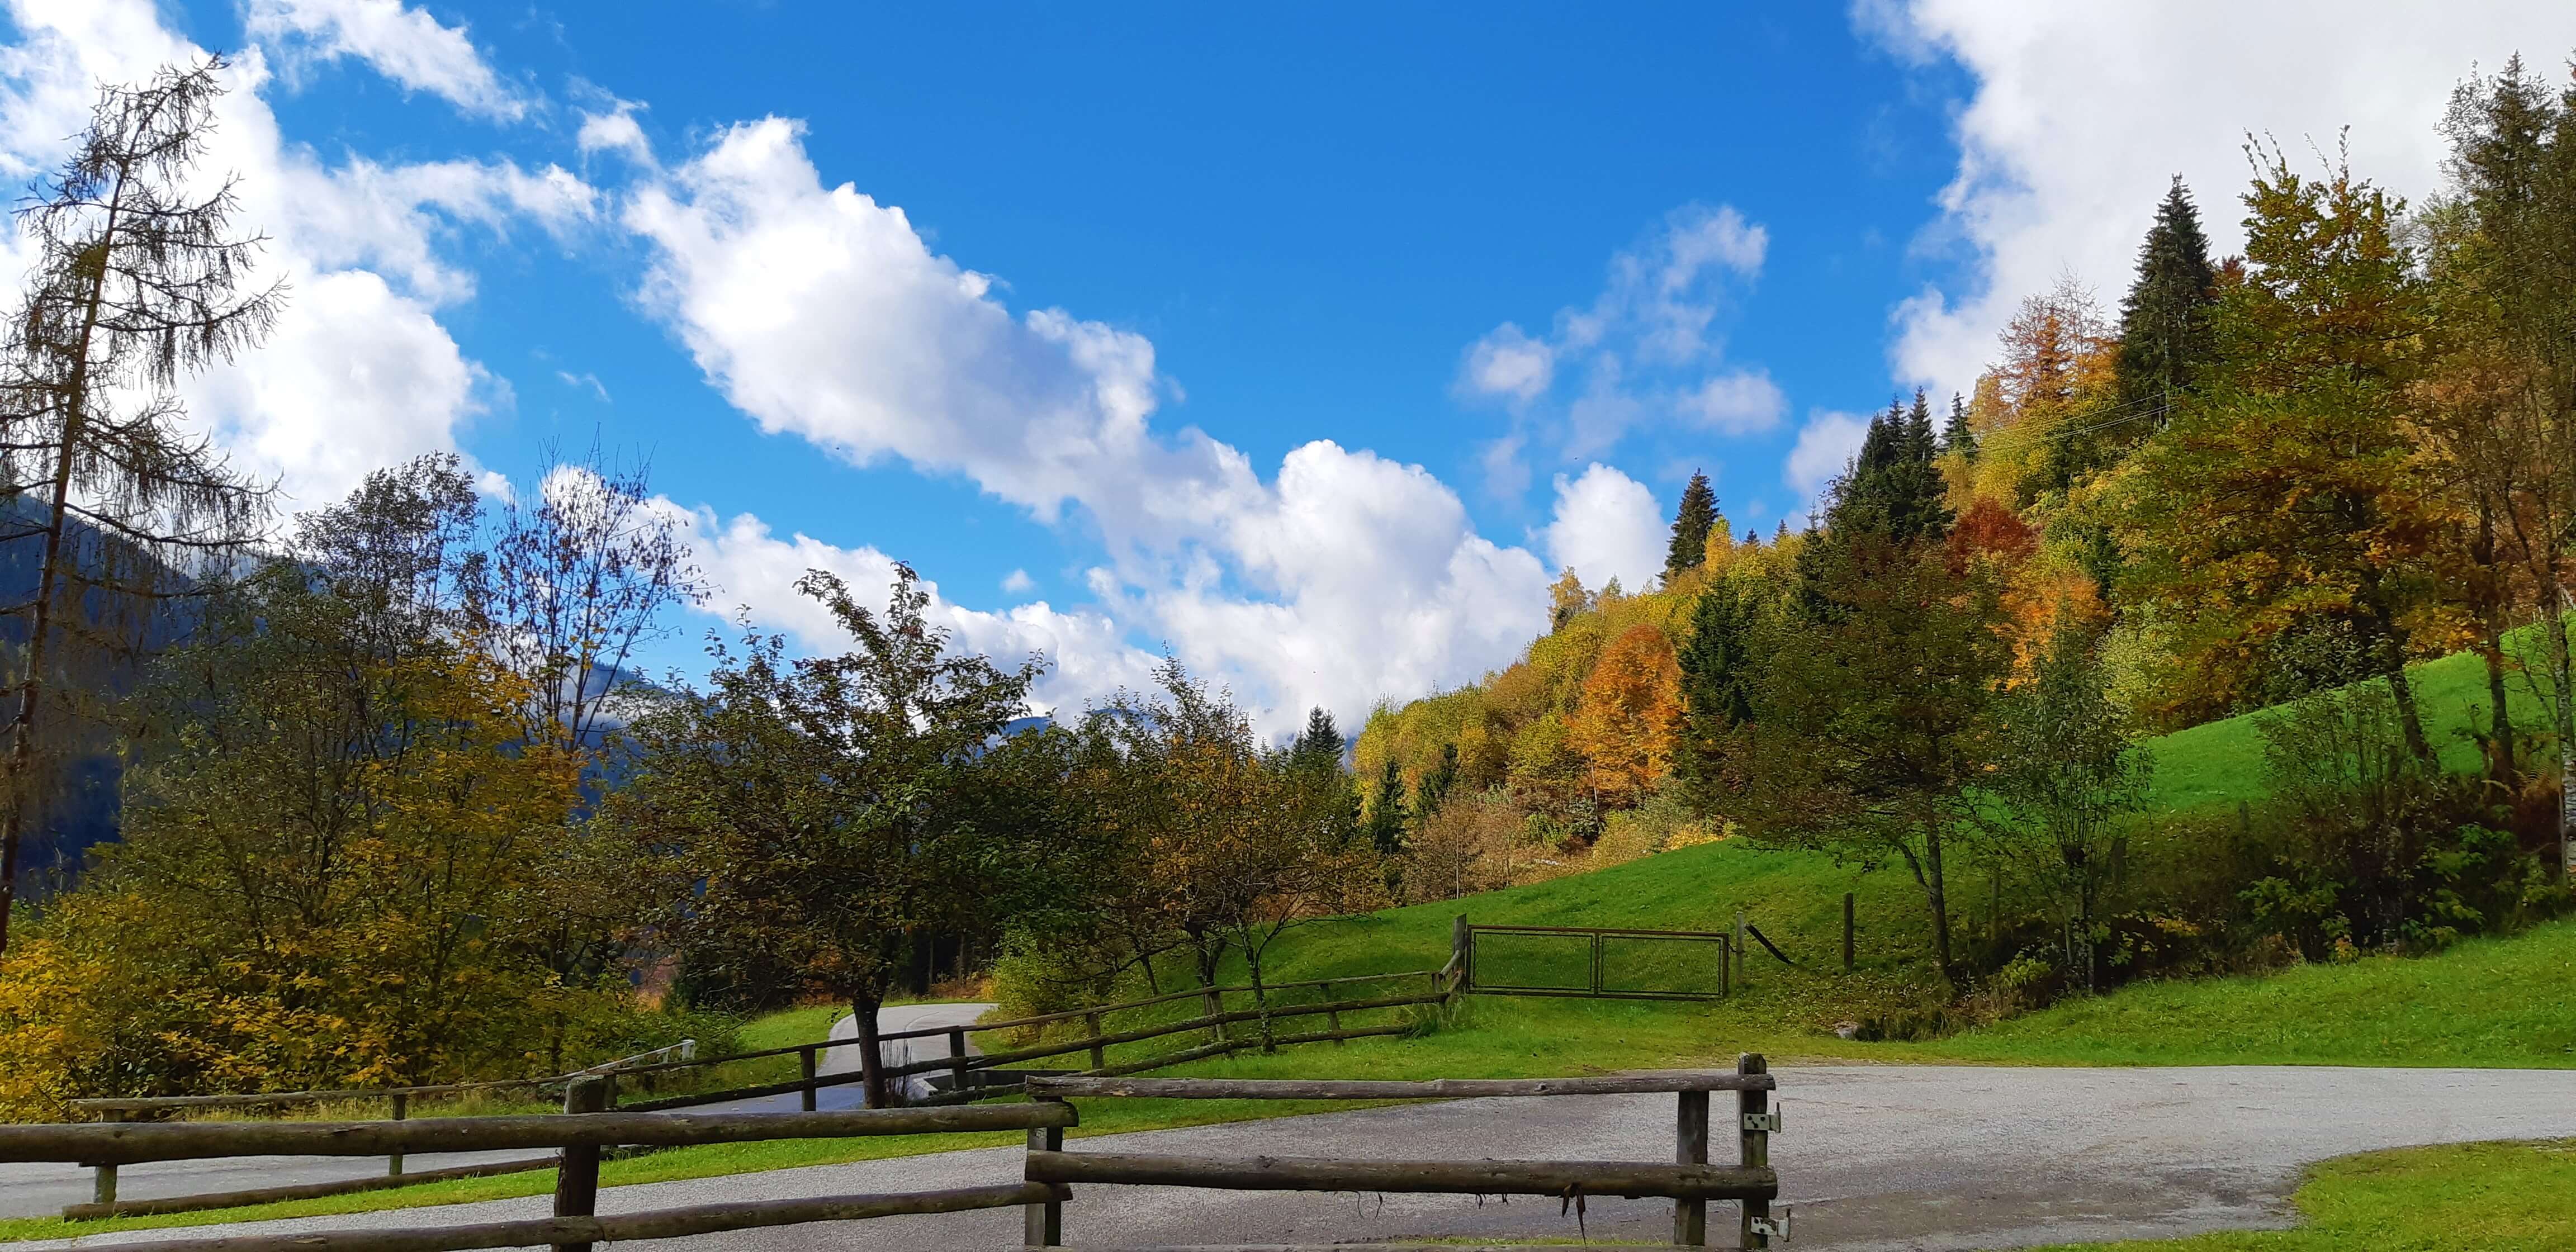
(807, 1063)
(957, 1059)
(1042, 1223)
(103, 1184)
(1690, 1147)
(1847, 932)
(577, 1172)
(1333, 1020)
(1091, 1022)
(402, 1109)
(1725, 968)
(1462, 948)
(1755, 1145)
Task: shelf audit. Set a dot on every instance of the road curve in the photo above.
(1921, 1158)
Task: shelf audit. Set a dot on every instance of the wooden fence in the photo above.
(1048, 1173)
(1598, 962)
(1690, 1182)
(970, 1077)
(575, 1226)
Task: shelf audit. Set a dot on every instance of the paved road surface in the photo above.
(43, 1190)
(1877, 1158)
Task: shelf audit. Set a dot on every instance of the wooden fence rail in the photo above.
(1049, 1172)
(1690, 1182)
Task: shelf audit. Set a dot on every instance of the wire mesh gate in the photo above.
(1595, 961)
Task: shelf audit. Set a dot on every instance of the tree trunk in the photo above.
(2563, 711)
(1207, 958)
(872, 1079)
(2502, 767)
(1936, 897)
(2409, 717)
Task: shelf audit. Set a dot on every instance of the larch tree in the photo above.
(138, 281)
(1695, 519)
(1631, 708)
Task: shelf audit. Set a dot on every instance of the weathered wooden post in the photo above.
(1091, 1022)
(957, 1058)
(1042, 1223)
(1596, 962)
(1333, 1019)
(1753, 1109)
(1847, 932)
(1462, 951)
(1690, 1147)
(402, 1109)
(577, 1170)
(103, 1184)
(805, 1067)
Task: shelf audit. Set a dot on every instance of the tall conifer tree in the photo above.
(1693, 520)
(2165, 335)
(1955, 435)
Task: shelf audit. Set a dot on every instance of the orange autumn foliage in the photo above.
(1630, 712)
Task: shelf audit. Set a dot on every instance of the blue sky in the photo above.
(1304, 345)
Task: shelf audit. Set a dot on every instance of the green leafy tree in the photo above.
(2290, 498)
(821, 812)
(1871, 717)
(2068, 771)
(1694, 520)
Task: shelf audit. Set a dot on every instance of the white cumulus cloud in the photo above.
(2082, 112)
(1607, 525)
(819, 312)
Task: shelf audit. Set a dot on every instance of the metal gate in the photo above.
(1595, 961)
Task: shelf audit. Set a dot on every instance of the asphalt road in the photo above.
(1895, 1157)
(43, 1190)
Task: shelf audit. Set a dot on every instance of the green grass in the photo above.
(2222, 762)
(2494, 1197)
(2508, 1002)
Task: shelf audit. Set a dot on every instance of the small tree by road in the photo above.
(819, 813)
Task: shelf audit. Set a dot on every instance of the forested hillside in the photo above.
(2273, 480)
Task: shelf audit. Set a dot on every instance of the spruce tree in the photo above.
(1319, 746)
(1717, 675)
(1892, 487)
(1955, 436)
(2165, 335)
(1693, 520)
(1387, 812)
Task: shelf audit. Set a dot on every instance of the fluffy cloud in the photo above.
(755, 571)
(819, 312)
(2082, 112)
(1607, 526)
(403, 44)
(1644, 350)
(822, 313)
(1824, 449)
(359, 372)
